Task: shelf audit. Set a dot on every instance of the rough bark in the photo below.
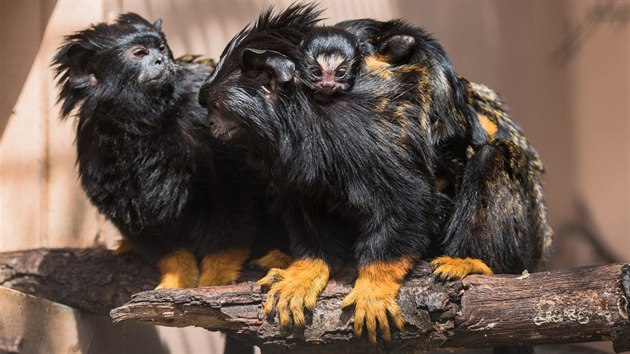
(576, 305)
(89, 279)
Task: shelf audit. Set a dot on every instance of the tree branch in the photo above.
(89, 279)
(577, 305)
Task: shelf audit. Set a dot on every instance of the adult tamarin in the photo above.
(485, 166)
(146, 158)
(355, 181)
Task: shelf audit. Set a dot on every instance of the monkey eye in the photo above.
(317, 72)
(139, 52)
(162, 47)
(341, 72)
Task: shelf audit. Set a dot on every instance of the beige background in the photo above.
(576, 112)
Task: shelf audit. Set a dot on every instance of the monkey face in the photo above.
(245, 101)
(223, 123)
(331, 59)
(152, 62)
(130, 54)
(330, 74)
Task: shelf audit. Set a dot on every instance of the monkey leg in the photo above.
(318, 241)
(223, 267)
(499, 217)
(272, 259)
(374, 297)
(178, 270)
(294, 289)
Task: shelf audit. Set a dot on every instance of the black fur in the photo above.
(341, 56)
(347, 176)
(146, 158)
(490, 185)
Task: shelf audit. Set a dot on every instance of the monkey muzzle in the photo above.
(157, 74)
(328, 87)
(222, 128)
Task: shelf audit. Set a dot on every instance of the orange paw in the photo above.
(273, 259)
(374, 297)
(296, 288)
(222, 268)
(179, 270)
(458, 268)
(122, 246)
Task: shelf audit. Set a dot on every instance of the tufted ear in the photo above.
(158, 24)
(256, 61)
(78, 57)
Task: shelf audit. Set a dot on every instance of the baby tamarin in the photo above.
(331, 62)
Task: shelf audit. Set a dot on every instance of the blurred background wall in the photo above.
(562, 66)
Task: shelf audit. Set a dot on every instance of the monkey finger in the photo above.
(383, 324)
(284, 315)
(296, 305)
(359, 319)
(270, 301)
(395, 315)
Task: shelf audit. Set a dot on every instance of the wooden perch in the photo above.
(577, 305)
(89, 279)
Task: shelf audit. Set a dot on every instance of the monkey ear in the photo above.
(397, 47)
(78, 57)
(158, 24)
(256, 60)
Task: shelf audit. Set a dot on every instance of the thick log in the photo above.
(569, 306)
(429, 308)
(578, 305)
(89, 279)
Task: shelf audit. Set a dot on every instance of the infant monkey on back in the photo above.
(331, 62)
(332, 57)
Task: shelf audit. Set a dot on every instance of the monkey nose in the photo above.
(327, 86)
(159, 60)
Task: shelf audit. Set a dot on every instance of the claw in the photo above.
(296, 287)
(458, 268)
(374, 297)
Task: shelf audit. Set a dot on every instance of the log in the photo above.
(89, 279)
(568, 306)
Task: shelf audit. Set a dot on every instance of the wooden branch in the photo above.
(89, 279)
(577, 305)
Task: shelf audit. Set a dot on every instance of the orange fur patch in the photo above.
(420, 70)
(489, 126)
(383, 58)
(296, 288)
(458, 268)
(122, 246)
(179, 270)
(441, 184)
(273, 259)
(378, 67)
(374, 297)
(222, 268)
